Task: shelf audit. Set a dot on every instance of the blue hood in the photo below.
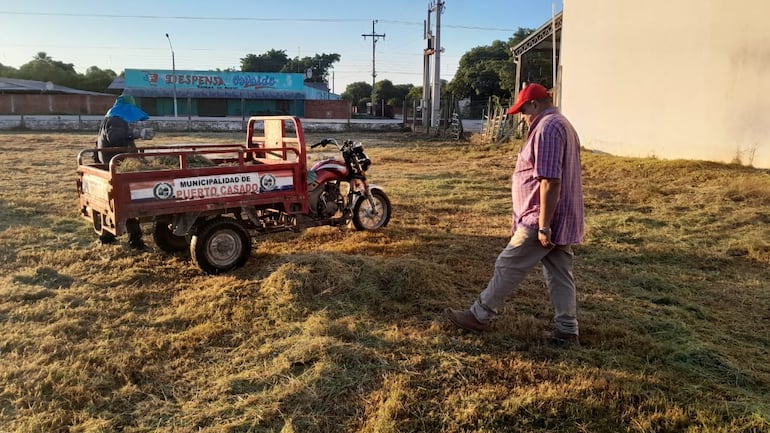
(126, 110)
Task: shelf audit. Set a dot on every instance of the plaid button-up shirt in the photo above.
(552, 151)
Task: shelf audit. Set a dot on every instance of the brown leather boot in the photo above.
(561, 338)
(466, 320)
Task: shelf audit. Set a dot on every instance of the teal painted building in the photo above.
(216, 93)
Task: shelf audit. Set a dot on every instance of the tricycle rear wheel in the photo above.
(165, 239)
(220, 245)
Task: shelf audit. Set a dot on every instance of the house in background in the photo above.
(319, 92)
(672, 79)
(22, 97)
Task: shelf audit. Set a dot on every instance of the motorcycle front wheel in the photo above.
(366, 217)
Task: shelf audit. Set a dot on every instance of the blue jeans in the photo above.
(523, 253)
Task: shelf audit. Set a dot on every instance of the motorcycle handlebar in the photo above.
(347, 144)
(324, 142)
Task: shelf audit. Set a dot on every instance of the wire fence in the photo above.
(496, 125)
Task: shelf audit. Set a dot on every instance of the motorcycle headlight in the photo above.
(358, 151)
(364, 161)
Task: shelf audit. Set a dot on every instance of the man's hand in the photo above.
(549, 198)
(544, 236)
(143, 133)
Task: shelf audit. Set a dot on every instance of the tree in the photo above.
(402, 92)
(358, 93)
(319, 66)
(479, 72)
(8, 71)
(42, 56)
(415, 94)
(385, 91)
(490, 71)
(392, 94)
(278, 61)
(271, 61)
(44, 68)
(97, 80)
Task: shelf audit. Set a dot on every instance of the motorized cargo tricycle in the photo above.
(213, 198)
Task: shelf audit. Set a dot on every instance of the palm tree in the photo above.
(42, 56)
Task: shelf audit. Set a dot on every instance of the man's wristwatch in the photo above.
(544, 230)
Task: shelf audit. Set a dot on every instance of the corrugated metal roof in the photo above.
(17, 85)
(119, 83)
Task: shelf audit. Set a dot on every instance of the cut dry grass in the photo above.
(332, 330)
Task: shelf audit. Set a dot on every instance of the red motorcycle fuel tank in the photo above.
(329, 169)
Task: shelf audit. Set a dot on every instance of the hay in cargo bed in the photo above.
(147, 161)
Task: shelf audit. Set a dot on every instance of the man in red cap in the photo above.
(547, 195)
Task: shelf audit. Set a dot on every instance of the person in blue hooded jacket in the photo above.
(116, 132)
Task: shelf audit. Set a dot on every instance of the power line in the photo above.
(177, 17)
(194, 18)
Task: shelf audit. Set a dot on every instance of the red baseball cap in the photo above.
(529, 93)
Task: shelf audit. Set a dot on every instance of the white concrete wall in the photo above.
(196, 124)
(669, 78)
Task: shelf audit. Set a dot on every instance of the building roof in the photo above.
(16, 85)
(119, 83)
(542, 38)
(318, 86)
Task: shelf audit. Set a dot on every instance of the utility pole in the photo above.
(427, 52)
(173, 72)
(374, 37)
(436, 109)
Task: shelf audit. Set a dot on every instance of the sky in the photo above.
(216, 34)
